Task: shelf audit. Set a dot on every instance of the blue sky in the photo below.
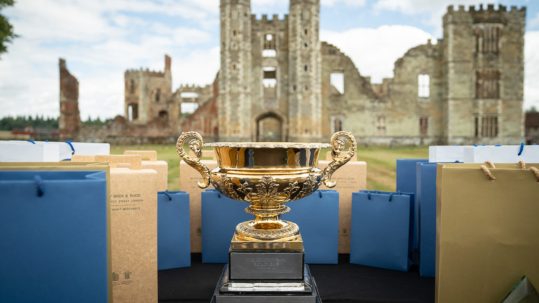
(100, 39)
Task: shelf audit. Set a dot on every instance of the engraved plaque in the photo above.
(266, 265)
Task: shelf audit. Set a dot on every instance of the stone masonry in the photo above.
(279, 82)
(69, 122)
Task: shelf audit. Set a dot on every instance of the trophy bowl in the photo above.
(266, 175)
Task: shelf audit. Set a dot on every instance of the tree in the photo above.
(6, 29)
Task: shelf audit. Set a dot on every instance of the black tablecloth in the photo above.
(344, 282)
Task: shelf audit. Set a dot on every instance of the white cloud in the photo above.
(374, 50)
(535, 21)
(345, 2)
(531, 74)
(100, 40)
(433, 9)
(281, 6)
(421, 6)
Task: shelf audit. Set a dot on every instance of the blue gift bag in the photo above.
(220, 215)
(406, 182)
(173, 242)
(426, 198)
(380, 229)
(54, 236)
(318, 219)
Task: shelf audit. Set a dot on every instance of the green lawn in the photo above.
(380, 162)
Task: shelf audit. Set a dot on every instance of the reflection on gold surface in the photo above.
(267, 175)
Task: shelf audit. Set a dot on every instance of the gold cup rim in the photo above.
(267, 145)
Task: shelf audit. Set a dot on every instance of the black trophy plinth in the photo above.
(266, 276)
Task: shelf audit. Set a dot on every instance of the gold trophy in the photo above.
(266, 175)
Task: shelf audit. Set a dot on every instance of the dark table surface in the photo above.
(344, 282)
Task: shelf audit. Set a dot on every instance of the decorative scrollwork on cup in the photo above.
(291, 189)
(343, 146)
(194, 140)
(309, 186)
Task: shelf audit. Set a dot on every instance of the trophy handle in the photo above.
(194, 140)
(339, 154)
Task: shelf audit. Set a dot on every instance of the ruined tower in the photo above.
(304, 74)
(147, 95)
(69, 121)
(279, 82)
(484, 66)
(270, 83)
(234, 101)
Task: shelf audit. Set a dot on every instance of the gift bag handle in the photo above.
(521, 164)
(486, 170)
(167, 194)
(535, 172)
(39, 186)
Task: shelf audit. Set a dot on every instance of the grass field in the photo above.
(380, 162)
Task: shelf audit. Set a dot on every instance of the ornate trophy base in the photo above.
(265, 265)
(266, 271)
(266, 291)
(242, 243)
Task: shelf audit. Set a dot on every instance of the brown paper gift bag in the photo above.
(188, 183)
(350, 178)
(487, 230)
(149, 160)
(133, 203)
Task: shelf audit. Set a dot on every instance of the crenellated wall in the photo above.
(147, 95)
(275, 83)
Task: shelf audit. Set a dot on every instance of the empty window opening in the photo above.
(132, 86)
(269, 48)
(423, 126)
(336, 124)
(163, 115)
(158, 95)
(305, 44)
(305, 68)
(188, 107)
(132, 112)
(337, 82)
(487, 84)
(234, 33)
(487, 39)
(269, 76)
(489, 126)
(306, 31)
(269, 41)
(269, 53)
(423, 86)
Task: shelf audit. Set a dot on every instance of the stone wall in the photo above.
(148, 96)
(275, 83)
(69, 121)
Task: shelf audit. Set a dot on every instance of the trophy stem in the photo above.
(267, 225)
